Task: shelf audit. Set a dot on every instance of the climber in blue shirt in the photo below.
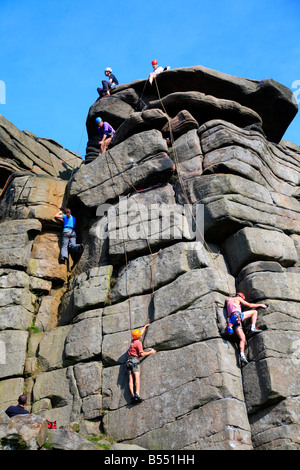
(68, 235)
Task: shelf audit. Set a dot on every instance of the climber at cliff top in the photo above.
(112, 82)
(106, 131)
(133, 363)
(156, 70)
(236, 317)
(69, 234)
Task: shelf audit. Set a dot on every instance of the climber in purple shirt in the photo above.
(106, 131)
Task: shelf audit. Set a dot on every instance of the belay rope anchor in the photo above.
(148, 243)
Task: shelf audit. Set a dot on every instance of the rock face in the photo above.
(196, 198)
(23, 151)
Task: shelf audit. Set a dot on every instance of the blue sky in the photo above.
(53, 53)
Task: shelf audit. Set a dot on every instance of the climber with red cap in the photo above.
(136, 351)
(236, 317)
(156, 70)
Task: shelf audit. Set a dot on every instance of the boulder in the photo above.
(25, 151)
(66, 439)
(275, 428)
(47, 316)
(147, 220)
(273, 102)
(14, 344)
(56, 397)
(271, 285)
(84, 339)
(16, 239)
(111, 109)
(31, 429)
(51, 353)
(10, 390)
(16, 300)
(187, 153)
(126, 447)
(89, 290)
(139, 158)
(140, 122)
(153, 271)
(125, 315)
(205, 107)
(44, 260)
(252, 243)
(89, 382)
(180, 124)
(32, 196)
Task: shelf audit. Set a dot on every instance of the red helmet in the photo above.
(241, 295)
(154, 62)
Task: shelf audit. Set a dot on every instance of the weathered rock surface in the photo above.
(22, 432)
(196, 198)
(23, 151)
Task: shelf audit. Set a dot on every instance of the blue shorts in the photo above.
(236, 319)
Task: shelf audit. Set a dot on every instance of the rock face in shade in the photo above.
(197, 198)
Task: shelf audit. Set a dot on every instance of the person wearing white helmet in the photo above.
(112, 82)
(156, 70)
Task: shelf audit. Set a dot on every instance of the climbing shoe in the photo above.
(243, 359)
(255, 330)
(138, 398)
(133, 400)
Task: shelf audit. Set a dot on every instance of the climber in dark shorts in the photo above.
(236, 317)
(136, 351)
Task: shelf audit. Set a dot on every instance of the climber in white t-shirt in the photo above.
(156, 70)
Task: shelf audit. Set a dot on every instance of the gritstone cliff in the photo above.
(194, 139)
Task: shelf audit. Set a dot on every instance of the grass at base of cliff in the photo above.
(102, 441)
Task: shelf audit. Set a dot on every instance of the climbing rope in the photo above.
(183, 188)
(125, 251)
(213, 257)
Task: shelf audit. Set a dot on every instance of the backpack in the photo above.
(51, 424)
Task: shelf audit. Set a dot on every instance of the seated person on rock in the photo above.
(19, 409)
(106, 132)
(156, 71)
(112, 82)
(68, 235)
(236, 317)
(133, 363)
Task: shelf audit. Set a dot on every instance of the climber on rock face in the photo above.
(68, 235)
(112, 82)
(236, 317)
(133, 363)
(156, 70)
(106, 131)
